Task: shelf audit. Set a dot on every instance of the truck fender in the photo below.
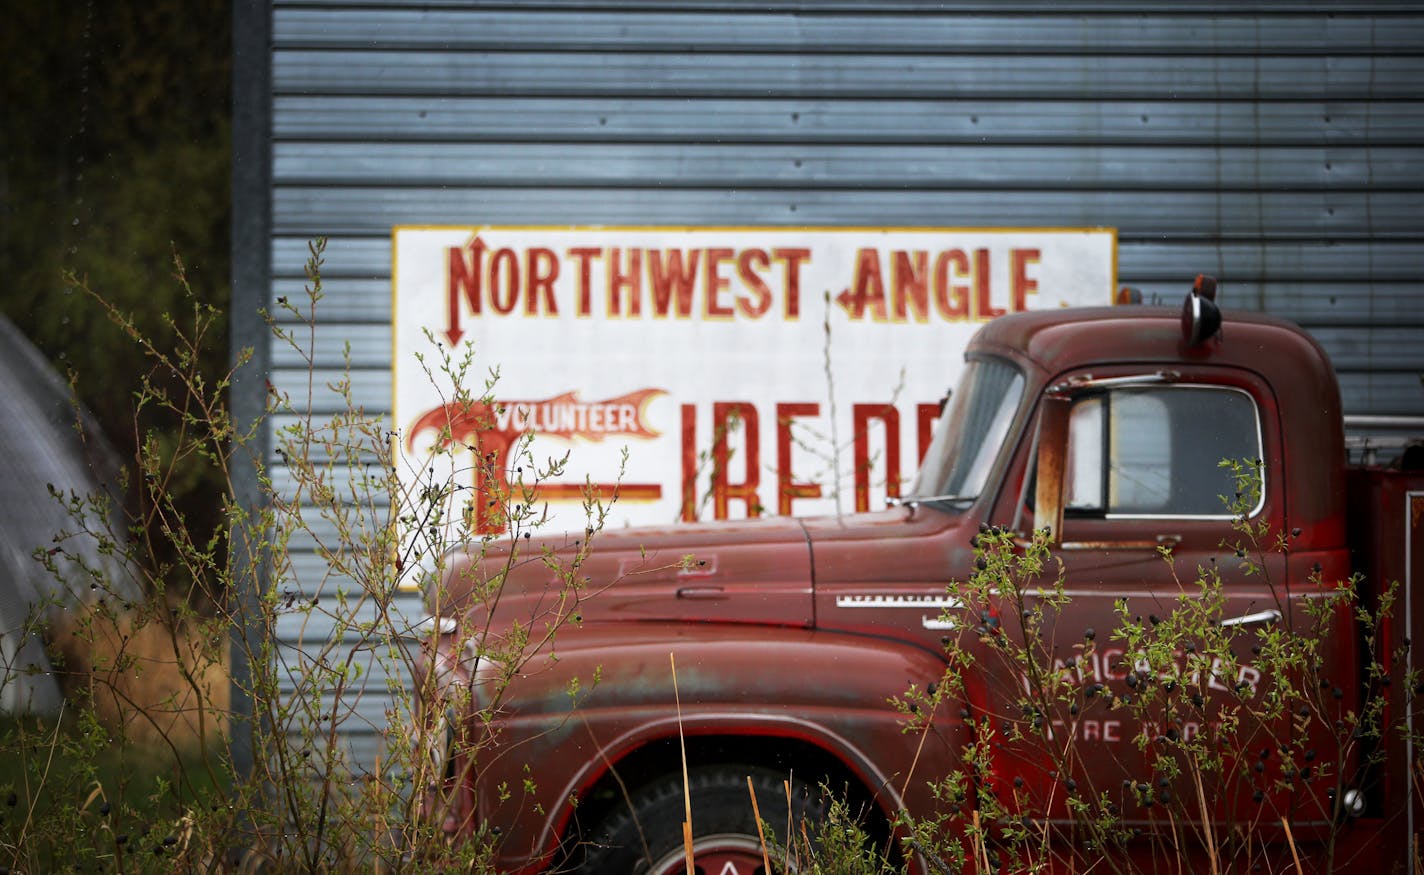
(827, 690)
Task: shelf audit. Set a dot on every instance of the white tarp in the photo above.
(745, 370)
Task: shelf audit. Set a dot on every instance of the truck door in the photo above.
(1126, 470)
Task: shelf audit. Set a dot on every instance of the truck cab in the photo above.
(720, 660)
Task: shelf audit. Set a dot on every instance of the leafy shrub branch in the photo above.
(327, 650)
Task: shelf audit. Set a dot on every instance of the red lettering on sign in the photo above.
(672, 281)
(742, 453)
(793, 259)
(951, 299)
(541, 271)
(717, 284)
(909, 285)
(622, 280)
(1021, 285)
(889, 418)
(749, 262)
(462, 280)
(984, 310)
(787, 487)
(867, 291)
(689, 463)
(504, 281)
(584, 255)
(727, 417)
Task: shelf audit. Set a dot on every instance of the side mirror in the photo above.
(1052, 461)
(1201, 318)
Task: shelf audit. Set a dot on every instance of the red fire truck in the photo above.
(708, 662)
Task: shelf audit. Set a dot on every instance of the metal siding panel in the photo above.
(370, 388)
(687, 120)
(1371, 349)
(1259, 214)
(346, 257)
(1326, 262)
(1274, 145)
(928, 168)
(725, 74)
(1309, 304)
(930, 31)
(346, 299)
(1382, 392)
(369, 347)
(1262, 8)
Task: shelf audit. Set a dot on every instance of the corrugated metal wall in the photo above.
(1276, 145)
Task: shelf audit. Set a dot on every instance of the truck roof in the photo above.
(1072, 336)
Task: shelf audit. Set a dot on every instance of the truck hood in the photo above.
(774, 571)
(747, 571)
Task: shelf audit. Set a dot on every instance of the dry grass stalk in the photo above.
(159, 683)
(761, 833)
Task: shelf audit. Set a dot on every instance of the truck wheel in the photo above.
(645, 834)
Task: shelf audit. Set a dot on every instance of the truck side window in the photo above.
(1157, 451)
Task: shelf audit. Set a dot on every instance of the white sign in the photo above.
(746, 371)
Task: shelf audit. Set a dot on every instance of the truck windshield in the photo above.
(970, 433)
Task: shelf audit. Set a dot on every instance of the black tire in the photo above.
(644, 834)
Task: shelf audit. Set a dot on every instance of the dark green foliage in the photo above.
(114, 154)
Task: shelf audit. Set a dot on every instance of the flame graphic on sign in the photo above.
(489, 429)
